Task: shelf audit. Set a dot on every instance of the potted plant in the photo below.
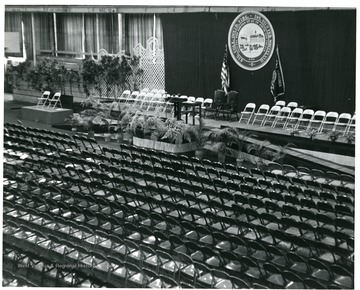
(107, 134)
(220, 140)
(242, 145)
(199, 136)
(334, 135)
(75, 121)
(312, 133)
(350, 137)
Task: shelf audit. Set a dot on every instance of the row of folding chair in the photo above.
(297, 118)
(249, 111)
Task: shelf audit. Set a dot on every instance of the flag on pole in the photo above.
(277, 86)
(225, 74)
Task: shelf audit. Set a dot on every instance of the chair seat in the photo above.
(277, 280)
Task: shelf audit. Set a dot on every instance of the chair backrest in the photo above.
(319, 115)
(45, 94)
(285, 111)
(280, 103)
(274, 110)
(183, 97)
(199, 100)
(307, 114)
(232, 98)
(331, 115)
(125, 93)
(219, 96)
(250, 107)
(208, 101)
(263, 109)
(57, 95)
(134, 94)
(191, 99)
(344, 118)
(296, 113)
(292, 104)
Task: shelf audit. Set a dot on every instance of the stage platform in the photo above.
(45, 115)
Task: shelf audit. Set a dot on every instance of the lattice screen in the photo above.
(152, 62)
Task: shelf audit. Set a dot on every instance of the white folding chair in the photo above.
(43, 99)
(292, 105)
(270, 116)
(146, 100)
(139, 99)
(132, 97)
(293, 118)
(55, 100)
(124, 96)
(342, 122)
(248, 111)
(317, 120)
(154, 102)
(304, 121)
(261, 112)
(280, 104)
(168, 104)
(145, 90)
(329, 122)
(351, 126)
(154, 91)
(281, 117)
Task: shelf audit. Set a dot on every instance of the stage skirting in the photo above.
(45, 115)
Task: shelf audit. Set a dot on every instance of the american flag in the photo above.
(225, 74)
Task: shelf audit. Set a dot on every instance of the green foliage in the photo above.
(221, 140)
(177, 132)
(18, 73)
(91, 74)
(122, 73)
(350, 137)
(51, 75)
(334, 135)
(312, 133)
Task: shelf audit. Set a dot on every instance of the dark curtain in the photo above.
(317, 50)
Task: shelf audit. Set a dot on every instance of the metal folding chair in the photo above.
(43, 99)
(270, 117)
(248, 111)
(55, 100)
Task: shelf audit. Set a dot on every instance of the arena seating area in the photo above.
(80, 214)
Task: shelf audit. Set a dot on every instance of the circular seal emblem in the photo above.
(251, 40)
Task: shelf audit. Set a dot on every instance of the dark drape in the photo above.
(317, 50)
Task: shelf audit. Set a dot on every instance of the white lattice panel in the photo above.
(152, 62)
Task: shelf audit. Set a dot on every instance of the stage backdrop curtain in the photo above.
(139, 28)
(317, 50)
